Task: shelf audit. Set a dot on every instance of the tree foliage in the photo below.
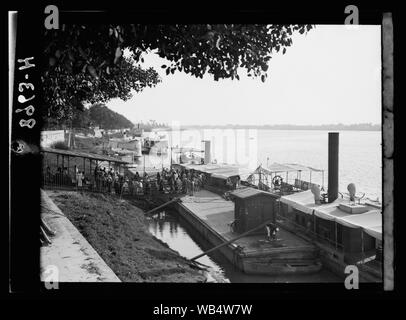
(105, 118)
(86, 62)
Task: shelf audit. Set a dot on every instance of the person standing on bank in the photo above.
(79, 178)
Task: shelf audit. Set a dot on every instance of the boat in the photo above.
(155, 143)
(274, 268)
(316, 228)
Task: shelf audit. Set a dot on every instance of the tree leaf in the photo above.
(92, 71)
(119, 52)
(193, 49)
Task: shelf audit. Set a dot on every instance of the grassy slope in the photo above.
(118, 232)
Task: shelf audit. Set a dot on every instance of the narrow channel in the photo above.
(179, 235)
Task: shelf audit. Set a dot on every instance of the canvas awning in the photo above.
(218, 170)
(81, 154)
(370, 221)
(288, 167)
(243, 174)
(302, 201)
(244, 193)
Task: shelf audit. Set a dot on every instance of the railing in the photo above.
(371, 264)
(311, 233)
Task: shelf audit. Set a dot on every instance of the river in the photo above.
(359, 153)
(359, 163)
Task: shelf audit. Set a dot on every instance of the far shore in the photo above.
(371, 129)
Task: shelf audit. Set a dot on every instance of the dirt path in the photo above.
(118, 232)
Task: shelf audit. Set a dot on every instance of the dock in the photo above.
(211, 216)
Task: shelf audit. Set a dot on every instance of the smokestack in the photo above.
(332, 191)
(207, 155)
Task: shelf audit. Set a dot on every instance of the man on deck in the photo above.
(271, 230)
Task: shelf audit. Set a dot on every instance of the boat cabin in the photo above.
(285, 178)
(347, 232)
(218, 178)
(253, 207)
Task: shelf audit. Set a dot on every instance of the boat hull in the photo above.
(263, 267)
(278, 261)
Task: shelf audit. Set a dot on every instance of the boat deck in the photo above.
(218, 214)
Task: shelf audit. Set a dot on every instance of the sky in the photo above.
(330, 75)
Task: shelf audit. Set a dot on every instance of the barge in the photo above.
(315, 229)
(213, 217)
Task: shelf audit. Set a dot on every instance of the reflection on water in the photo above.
(166, 227)
(180, 237)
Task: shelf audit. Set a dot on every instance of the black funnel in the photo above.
(333, 141)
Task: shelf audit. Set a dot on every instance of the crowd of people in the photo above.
(165, 181)
(180, 180)
(108, 180)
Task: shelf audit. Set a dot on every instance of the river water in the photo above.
(359, 163)
(359, 153)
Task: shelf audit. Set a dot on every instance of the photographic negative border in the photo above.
(388, 150)
(17, 163)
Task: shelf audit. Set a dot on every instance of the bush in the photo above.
(60, 145)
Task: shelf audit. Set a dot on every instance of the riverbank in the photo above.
(119, 233)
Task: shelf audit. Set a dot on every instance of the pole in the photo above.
(163, 205)
(314, 225)
(232, 240)
(333, 167)
(322, 180)
(260, 180)
(171, 159)
(335, 227)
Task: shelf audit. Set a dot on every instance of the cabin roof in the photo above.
(81, 154)
(248, 192)
(370, 221)
(288, 167)
(218, 170)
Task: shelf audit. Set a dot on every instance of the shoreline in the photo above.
(117, 230)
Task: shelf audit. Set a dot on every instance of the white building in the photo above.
(50, 137)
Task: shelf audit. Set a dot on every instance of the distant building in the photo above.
(98, 133)
(50, 137)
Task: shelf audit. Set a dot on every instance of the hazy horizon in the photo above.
(331, 75)
(270, 124)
